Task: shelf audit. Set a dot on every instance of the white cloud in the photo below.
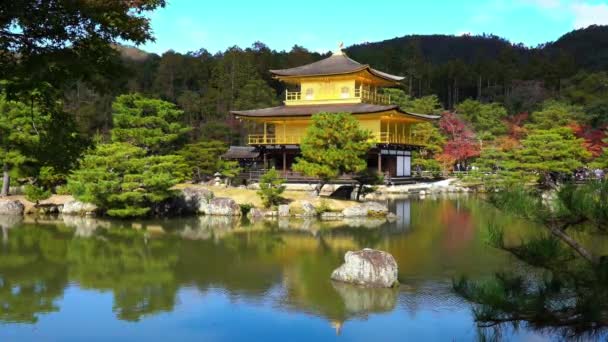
(587, 14)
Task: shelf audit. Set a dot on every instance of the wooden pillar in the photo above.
(396, 136)
(265, 133)
(264, 162)
(379, 161)
(284, 162)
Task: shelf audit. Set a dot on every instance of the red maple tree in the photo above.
(461, 144)
(594, 137)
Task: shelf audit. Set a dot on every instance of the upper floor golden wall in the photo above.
(335, 90)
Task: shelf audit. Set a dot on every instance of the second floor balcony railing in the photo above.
(377, 137)
(359, 93)
(369, 96)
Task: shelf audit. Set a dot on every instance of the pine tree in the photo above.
(136, 171)
(204, 159)
(124, 180)
(152, 124)
(546, 151)
(333, 144)
(271, 188)
(21, 128)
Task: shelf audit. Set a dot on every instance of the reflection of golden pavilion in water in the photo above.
(336, 84)
(337, 325)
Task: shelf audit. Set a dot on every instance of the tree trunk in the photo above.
(449, 95)
(410, 86)
(574, 245)
(6, 180)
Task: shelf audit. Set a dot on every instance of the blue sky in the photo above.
(188, 25)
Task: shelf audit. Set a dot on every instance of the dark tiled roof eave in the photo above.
(308, 110)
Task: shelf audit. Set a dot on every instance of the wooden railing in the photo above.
(378, 137)
(372, 96)
(290, 175)
(266, 139)
(364, 95)
(392, 138)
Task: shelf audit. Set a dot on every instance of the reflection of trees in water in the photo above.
(139, 271)
(564, 290)
(144, 273)
(144, 264)
(33, 273)
(458, 225)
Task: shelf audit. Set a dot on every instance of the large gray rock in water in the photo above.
(221, 206)
(367, 267)
(11, 207)
(75, 207)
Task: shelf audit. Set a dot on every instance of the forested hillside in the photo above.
(455, 68)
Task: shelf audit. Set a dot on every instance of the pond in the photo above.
(209, 279)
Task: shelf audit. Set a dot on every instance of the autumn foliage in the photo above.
(461, 143)
(594, 138)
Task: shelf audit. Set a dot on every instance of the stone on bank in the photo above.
(221, 206)
(11, 207)
(195, 198)
(367, 267)
(366, 209)
(75, 207)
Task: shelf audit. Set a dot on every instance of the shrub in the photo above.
(245, 208)
(271, 188)
(62, 190)
(121, 179)
(35, 193)
(323, 207)
(49, 177)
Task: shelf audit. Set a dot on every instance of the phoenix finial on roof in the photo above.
(339, 50)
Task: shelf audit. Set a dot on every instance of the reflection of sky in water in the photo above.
(214, 315)
(226, 280)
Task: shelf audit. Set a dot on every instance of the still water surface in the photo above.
(209, 279)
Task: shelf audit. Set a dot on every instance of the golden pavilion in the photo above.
(335, 84)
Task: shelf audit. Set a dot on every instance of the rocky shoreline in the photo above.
(198, 200)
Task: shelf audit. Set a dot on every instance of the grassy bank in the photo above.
(248, 196)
